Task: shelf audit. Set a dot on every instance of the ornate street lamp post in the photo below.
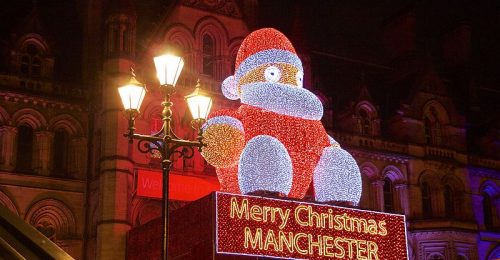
(168, 69)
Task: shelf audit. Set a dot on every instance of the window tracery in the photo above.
(388, 195)
(61, 152)
(426, 199)
(449, 201)
(365, 122)
(31, 64)
(488, 211)
(208, 55)
(432, 126)
(24, 148)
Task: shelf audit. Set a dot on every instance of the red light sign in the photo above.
(181, 187)
(259, 226)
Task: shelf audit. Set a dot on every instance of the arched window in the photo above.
(428, 130)
(487, 211)
(388, 196)
(426, 200)
(36, 67)
(31, 65)
(125, 40)
(25, 65)
(449, 201)
(116, 39)
(208, 55)
(61, 151)
(24, 148)
(365, 122)
(432, 127)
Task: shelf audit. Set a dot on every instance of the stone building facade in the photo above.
(66, 168)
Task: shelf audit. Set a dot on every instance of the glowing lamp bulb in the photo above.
(199, 103)
(132, 94)
(168, 68)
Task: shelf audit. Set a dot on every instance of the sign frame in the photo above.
(216, 220)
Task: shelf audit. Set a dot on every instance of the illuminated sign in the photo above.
(248, 225)
(181, 187)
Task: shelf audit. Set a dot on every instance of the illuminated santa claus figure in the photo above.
(275, 142)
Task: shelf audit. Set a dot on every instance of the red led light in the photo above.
(250, 225)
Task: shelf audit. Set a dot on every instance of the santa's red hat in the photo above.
(260, 47)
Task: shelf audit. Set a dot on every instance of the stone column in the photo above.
(378, 192)
(42, 152)
(8, 148)
(115, 178)
(401, 191)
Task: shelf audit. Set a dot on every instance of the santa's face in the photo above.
(278, 87)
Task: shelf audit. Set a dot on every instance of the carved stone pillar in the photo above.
(8, 148)
(402, 205)
(378, 192)
(42, 152)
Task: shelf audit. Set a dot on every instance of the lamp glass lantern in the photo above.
(168, 69)
(199, 103)
(132, 94)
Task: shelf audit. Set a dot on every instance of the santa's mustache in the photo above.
(283, 99)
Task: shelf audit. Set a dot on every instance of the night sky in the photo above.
(340, 36)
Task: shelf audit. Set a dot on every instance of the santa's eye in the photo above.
(300, 79)
(272, 74)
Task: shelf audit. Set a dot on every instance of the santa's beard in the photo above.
(282, 99)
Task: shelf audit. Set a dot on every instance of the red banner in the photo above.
(181, 187)
(248, 225)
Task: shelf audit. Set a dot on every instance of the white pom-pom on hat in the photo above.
(230, 88)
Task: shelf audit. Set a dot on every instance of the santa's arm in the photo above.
(224, 136)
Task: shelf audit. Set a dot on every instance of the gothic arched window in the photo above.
(449, 201)
(487, 211)
(365, 122)
(25, 65)
(31, 64)
(426, 200)
(432, 127)
(388, 195)
(61, 152)
(24, 148)
(208, 55)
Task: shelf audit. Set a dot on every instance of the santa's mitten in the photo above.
(224, 138)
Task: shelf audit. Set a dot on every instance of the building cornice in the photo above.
(43, 102)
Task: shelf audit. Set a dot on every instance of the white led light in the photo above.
(267, 57)
(265, 166)
(229, 88)
(337, 177)
(272, 74)
(223, 120)
(283, 99)
(300, 79)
